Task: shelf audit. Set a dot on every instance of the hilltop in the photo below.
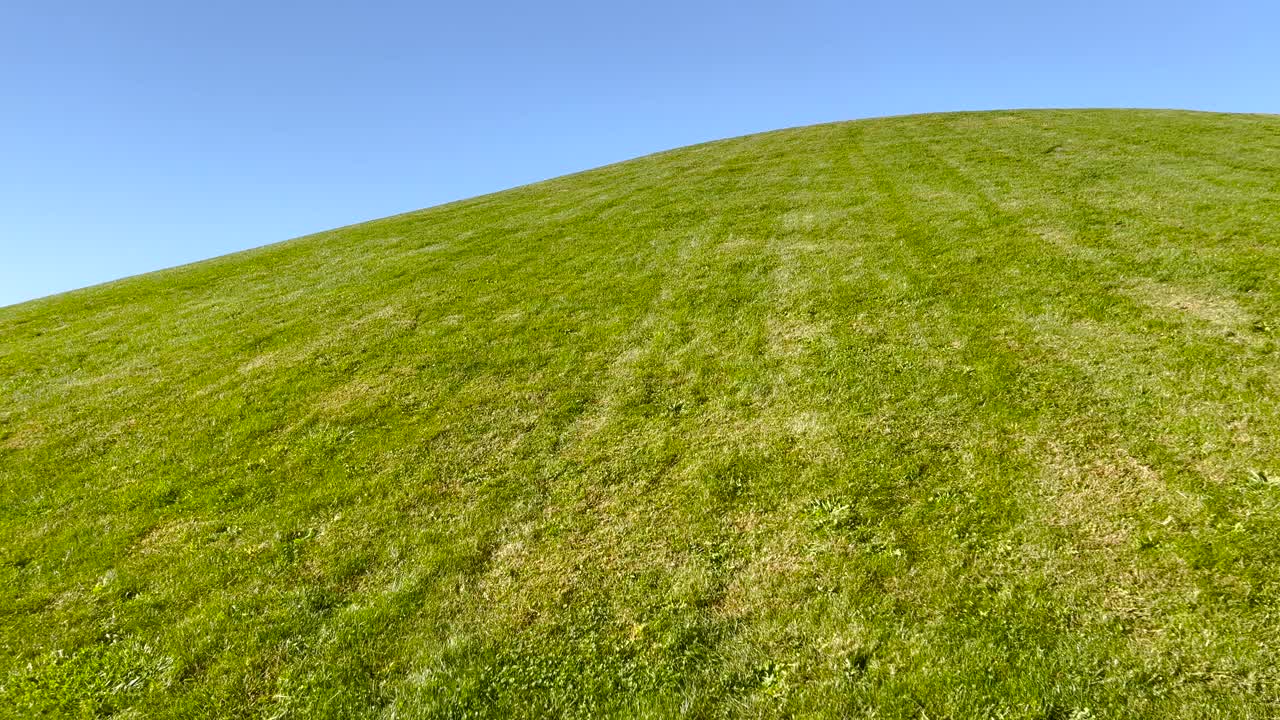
(960, 415)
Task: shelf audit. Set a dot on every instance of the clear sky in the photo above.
(140, 135)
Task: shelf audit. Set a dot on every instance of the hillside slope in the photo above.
(960, 415)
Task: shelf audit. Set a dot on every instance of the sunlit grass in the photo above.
(968, 415)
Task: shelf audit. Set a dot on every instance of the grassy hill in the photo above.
(965, 415)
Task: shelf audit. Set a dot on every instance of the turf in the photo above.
(963, 415)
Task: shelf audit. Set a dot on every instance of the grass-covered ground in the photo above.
(969, 415)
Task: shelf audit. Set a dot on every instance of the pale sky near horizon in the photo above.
(140, 135)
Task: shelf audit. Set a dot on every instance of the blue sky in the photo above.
(135, 136)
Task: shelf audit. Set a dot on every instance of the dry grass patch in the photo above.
(1221, 313)
(26, 436)
(1102, 496)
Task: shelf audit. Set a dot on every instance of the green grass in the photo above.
(950, 416)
